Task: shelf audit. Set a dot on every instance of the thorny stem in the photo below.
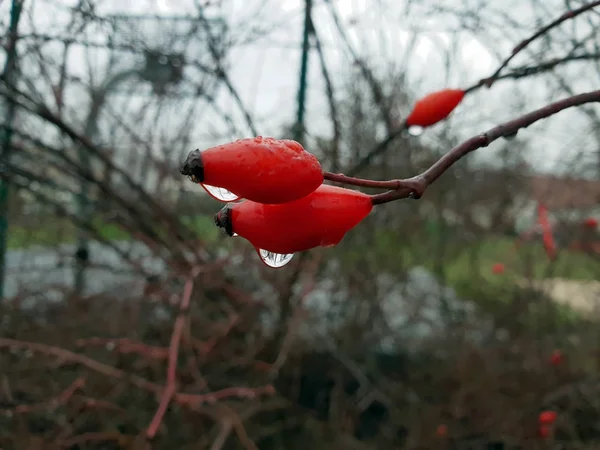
(416, 186)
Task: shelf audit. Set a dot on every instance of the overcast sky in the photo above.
(266, 73)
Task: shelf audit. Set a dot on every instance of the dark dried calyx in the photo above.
(223, 220)
(193, 168)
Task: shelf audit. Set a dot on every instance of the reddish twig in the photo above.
(84, 438)
(92, 364)
(196, 400)
(171, 386)
(126, 346)
(409, 184)
(204, 348)
(49, 405)
(94, 403)
(345, 179)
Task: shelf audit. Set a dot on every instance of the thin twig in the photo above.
(190, 400)
(333, 109)
(541, 32)
(67, 355)
(171, 387)
(50, 405)
(126, 346)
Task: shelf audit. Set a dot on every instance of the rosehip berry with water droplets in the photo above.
(434, 107)
(264, 170)
(321, 219)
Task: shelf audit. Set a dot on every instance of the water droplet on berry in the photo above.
(274, 260)
(415, 130)
(258, 139)
(223, 195)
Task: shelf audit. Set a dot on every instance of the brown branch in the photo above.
(417, 185)
(523, 44)
(126, 346)
(360, 182)
(196, 400)
(50, 405)
(91, 364)
(412, 185)
(84, 438)
(190, 400)
(168, 393)
(94, 403)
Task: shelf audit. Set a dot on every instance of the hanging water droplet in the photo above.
(274, 260)
(415, 130)
(510, 137)
(223, 195)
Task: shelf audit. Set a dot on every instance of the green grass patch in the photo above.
(467, 268)
(386, 250)
(53, 231)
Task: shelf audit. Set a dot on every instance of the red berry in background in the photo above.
(556, 358)
(441, 431)
(498, 269)
(321, 219)
(434, 107)
(590, 222)
(544, 431)
(264, 170)
(548, 238)
(547, 417)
